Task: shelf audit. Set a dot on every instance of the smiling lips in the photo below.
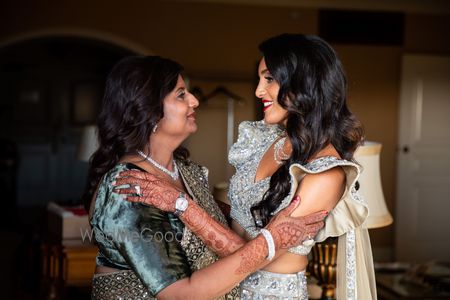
(191, 116)
(267, 104)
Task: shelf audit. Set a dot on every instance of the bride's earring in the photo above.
(154, 128)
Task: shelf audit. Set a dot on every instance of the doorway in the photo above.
(423, 201)
(42, 115)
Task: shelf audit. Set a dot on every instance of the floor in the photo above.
(20, 242)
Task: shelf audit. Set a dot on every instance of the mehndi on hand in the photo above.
(153, 190)
(288, 232)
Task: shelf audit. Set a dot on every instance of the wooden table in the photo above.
(67, 263)
(390, 286)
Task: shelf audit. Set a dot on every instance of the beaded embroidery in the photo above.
(268, 285)
(119, 285)
(197, 253)
(253, 141)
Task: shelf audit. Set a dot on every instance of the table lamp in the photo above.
(88, 143)
(368, 156)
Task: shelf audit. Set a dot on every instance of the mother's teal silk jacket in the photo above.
(154, 244)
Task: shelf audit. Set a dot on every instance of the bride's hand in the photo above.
(147, 189)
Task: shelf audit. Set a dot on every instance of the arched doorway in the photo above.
(50, 87)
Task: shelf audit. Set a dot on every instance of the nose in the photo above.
(259, 92)
(193, 102)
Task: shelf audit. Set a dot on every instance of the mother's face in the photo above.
(179, 111)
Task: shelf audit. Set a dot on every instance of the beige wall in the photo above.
(218, 45)
(208, 145)
(374, 76)
(207, 39)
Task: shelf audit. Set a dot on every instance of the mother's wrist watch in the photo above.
(181, 204)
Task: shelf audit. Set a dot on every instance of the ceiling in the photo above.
(409, 6)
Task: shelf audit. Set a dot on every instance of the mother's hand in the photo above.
(290, 231)
(151, 189)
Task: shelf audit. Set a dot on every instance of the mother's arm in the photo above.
(219, 277)
(221, 239)
(161, 265)
(218, 237)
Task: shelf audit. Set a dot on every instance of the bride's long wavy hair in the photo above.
(132, 106)
(313, 90)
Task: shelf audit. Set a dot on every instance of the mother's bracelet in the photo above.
(270, 244)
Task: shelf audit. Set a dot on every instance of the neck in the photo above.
(161, 150)
(287, 146)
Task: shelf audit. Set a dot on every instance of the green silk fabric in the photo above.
(138, 237)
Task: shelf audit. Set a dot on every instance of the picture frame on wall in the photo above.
(85, 102)
(32, 106)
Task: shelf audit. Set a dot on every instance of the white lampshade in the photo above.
(368, 156)
(88, 143)
(220, 192)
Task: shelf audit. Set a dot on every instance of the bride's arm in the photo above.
(320, 191)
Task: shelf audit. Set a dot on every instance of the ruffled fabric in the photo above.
(355, 275)
(350, 212)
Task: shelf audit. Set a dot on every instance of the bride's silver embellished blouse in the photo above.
(254, 139)
(346, 220)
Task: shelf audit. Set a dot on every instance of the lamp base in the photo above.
(328, 292)
(323, 266)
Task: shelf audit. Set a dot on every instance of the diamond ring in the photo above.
(308, 242)
(138, 190)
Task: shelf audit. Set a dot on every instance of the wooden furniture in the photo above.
(391, 287)
(67, 252)
(66, 263)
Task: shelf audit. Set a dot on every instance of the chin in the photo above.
(193, 129)
(275, 118)
(271, 121)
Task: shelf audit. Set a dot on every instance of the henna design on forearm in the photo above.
(217, 237)
(160, 194)
(252, 256)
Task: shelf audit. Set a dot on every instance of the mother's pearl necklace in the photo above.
(173, 174)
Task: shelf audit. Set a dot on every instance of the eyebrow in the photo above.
(265, 71)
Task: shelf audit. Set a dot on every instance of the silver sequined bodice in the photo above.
(253, 141)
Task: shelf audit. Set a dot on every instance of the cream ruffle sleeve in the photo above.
(355, 272)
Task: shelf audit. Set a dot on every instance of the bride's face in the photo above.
(267, 90)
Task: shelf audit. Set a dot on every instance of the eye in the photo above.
(181, 94)
(269, 79)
